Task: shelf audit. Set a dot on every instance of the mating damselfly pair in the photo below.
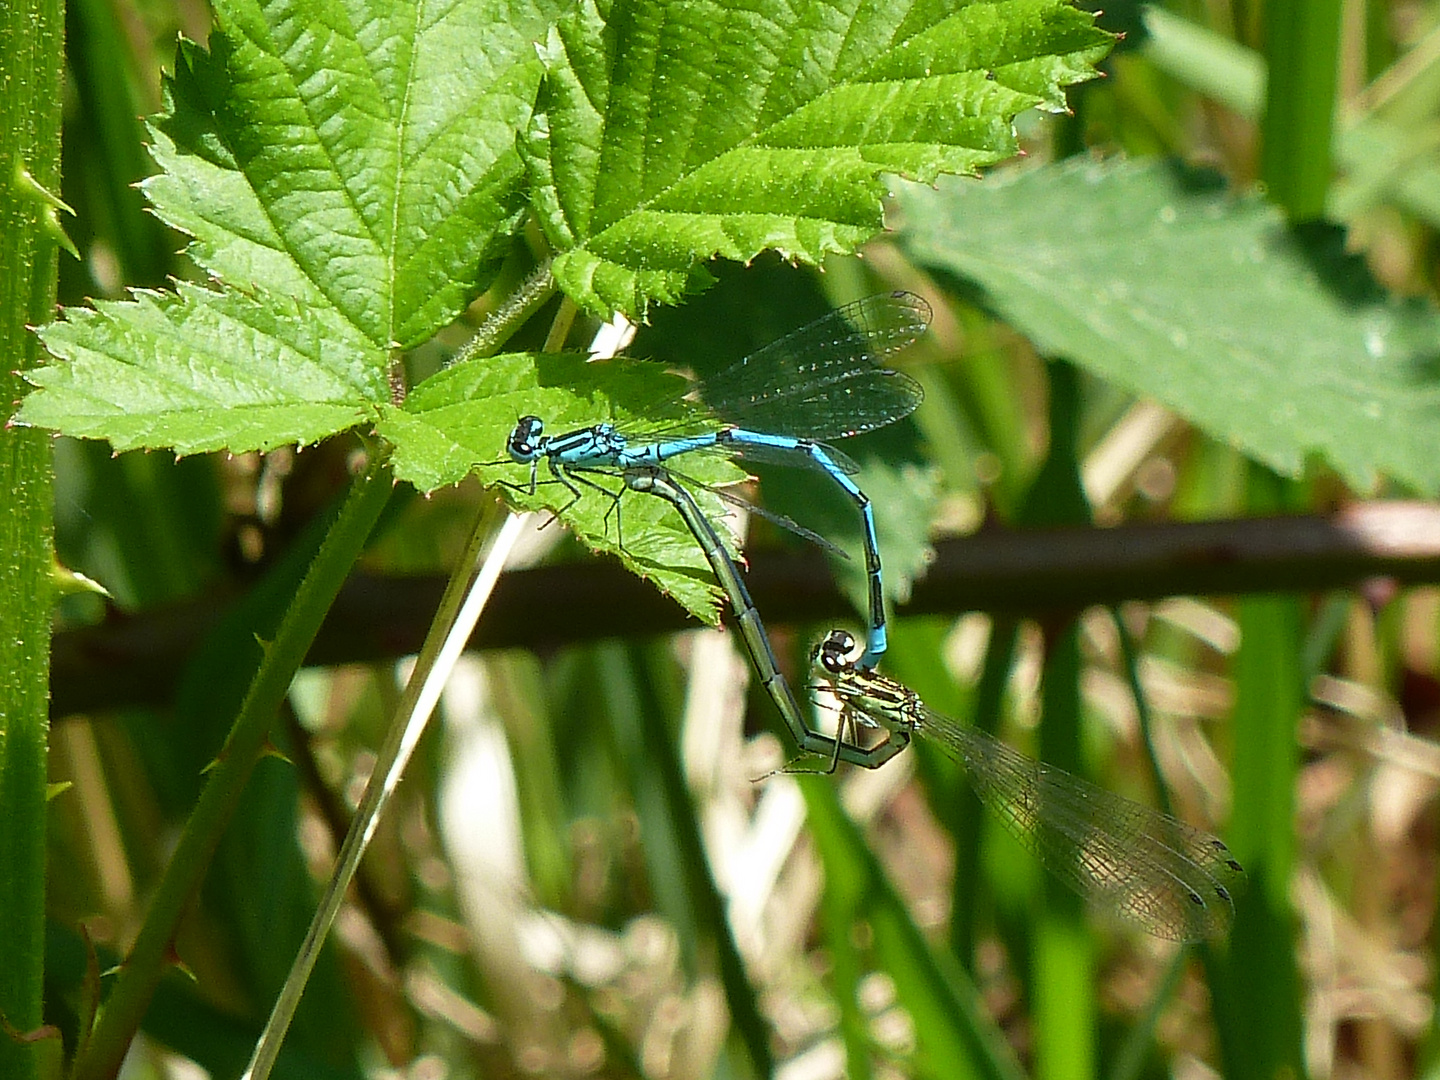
(827, 380)
(779, 404)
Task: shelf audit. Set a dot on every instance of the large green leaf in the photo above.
(204, 370)
(668, 133)
(1203, 301)
(348, 171)
(441, 435)
(351, 153)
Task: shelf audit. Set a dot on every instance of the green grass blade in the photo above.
(842, 906)
(955, 1037)
(145, 526)
(1063, 975)
(989, 701)
(1063, 966)
(283, 653)
(674, 847)
(1302, 44)
(1256, 982)
(1208, 62)
(916, 659)
(105, 145)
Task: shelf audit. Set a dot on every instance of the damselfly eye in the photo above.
(833, 652)
(524, 444)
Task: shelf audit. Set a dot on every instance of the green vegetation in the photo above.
(382, 232)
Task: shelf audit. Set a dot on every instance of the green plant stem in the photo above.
(989, 703)
(1378, 158)
(1129, 1061)
(24, 725)
(99, 1057)
(1256, 985)
(470, 587)
(1063, 964)
(466, 594)
(1130, 662)
(1302, 45)
(510, 315)
(30, 80)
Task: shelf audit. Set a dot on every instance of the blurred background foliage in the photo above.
(582, 875)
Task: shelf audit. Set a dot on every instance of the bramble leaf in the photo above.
(349, 176)
(203, 370)
(1206, 302)
(441, 435)
(669, 133)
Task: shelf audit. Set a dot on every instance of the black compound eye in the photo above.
(835, 650)
(524, 443)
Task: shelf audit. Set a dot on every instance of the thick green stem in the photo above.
(151, 955)
(30, 79)
(1302, 45)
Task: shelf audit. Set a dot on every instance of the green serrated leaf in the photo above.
(373, 164)
(443, 433)
(202, 371)
(1204, 302)
(669, 133)
(349, 175)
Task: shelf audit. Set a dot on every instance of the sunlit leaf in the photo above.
(669, 133)
(349, 176)
(441, 435)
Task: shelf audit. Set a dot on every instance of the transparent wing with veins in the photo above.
(1157, 873)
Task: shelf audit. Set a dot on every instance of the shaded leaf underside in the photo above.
(1275, 342)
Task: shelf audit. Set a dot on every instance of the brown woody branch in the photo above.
(135, 659)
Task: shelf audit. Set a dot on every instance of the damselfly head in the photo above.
(526, 440)
(834, 653)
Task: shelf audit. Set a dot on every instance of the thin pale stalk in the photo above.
(465, 598)
(466, 595)
(150, 957)
(510, 315)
